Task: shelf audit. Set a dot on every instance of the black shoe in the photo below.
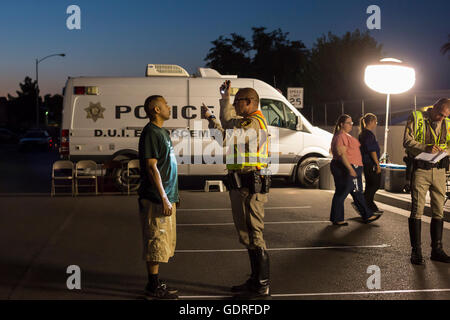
(416, 256)
(262, 293)
(161, 282)
(340, 223)
(253, 257)
(259, 286)
(378, 211)
(437, 252)
(242, 287)
(415, 235)
(373, 218)
(170, 289)
(160, 293)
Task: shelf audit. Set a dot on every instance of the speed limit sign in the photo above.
(295, 97)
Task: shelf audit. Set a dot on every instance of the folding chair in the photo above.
(110, 165)
(85, 170)
(133, 165)
(59, 174)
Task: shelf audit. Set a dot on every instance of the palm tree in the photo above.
(446, 47)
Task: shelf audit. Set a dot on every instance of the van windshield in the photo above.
(278, 114)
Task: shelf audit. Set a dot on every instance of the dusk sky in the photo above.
(119, 38)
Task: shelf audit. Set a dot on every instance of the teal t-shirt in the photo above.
(155, 143)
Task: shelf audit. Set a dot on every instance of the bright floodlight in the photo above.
(390, 76)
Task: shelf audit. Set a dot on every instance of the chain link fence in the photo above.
(326, 114)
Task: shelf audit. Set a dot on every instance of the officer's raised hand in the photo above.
(205, 112)
(225, 89)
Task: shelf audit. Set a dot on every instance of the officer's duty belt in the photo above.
(254, 181)
(425, 165)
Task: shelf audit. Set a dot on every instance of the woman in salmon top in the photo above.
(346, 168)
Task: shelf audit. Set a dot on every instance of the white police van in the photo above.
(103, 118)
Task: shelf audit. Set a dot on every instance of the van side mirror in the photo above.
(299, 124)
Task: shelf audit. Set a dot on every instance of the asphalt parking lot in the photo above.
(41, 236)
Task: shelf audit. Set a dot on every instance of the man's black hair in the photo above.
(149, 106)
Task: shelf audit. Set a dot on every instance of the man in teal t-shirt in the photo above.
(158, 195)
(155, 143)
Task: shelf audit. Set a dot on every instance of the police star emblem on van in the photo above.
(94, 111)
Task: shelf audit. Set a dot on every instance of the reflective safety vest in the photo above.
(420, 130)
(238, 157)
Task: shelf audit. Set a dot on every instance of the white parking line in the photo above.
(232, 224)
(229, 209)
(283, 249)
(358, 293)
(401, 212)
(286, 295)
(406, 213)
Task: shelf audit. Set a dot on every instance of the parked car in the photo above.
(36, 139)
(7, 136)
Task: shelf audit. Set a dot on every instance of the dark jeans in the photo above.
(373, 180)
(345, 185)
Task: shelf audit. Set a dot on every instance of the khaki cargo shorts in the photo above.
(158, 231)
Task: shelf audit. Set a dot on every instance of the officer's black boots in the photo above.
(247, 285)
(437, 253)
(263, 272)
(415, 237)
(256, 287)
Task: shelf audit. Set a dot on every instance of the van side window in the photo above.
(278, 114)
(291, 118)
(273, 111)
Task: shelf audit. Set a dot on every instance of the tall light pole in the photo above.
(37, 83)
(389, 76)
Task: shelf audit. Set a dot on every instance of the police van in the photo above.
(103, 118)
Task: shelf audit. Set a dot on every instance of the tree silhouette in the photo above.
(270, 57)
(337, 66)
(22, 108)
(230, 55)
(332, 70)
(278, 60)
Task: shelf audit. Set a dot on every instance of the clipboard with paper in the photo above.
(432, 157)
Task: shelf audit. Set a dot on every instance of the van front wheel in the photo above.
(308, 173)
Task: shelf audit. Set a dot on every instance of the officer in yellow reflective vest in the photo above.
(246, 135)
(428, 132)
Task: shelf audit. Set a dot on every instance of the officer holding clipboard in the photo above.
(427, 134)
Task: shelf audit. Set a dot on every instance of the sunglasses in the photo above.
(241, 99)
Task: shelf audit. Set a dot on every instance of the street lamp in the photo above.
(389, 76)
(37, 84)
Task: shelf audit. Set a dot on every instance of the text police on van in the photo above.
(139, 112)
